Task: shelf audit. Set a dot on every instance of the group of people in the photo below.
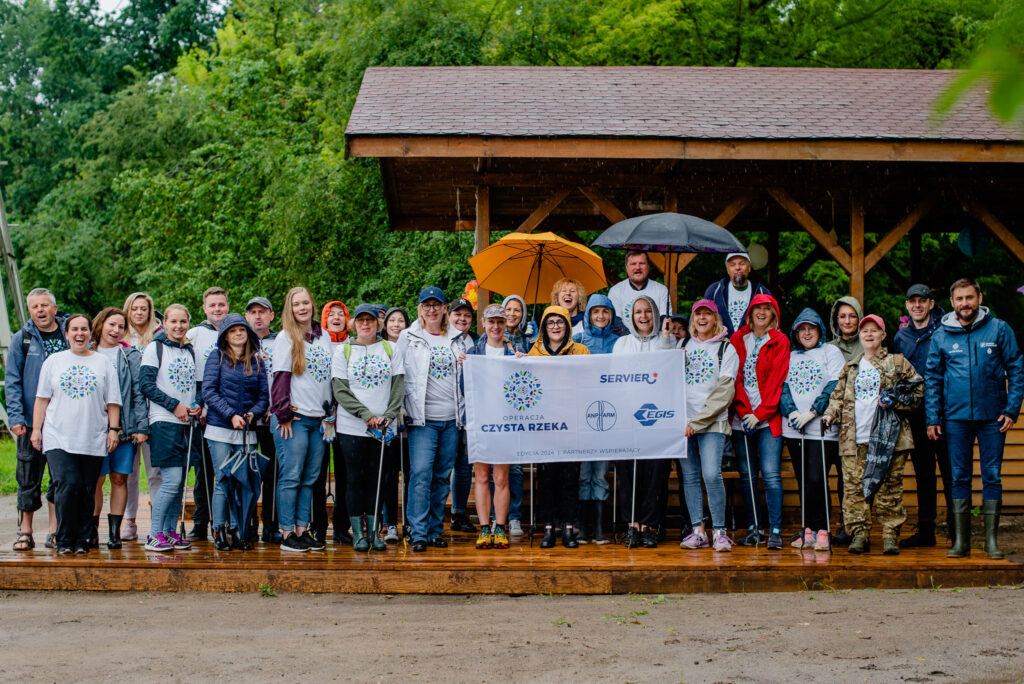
(357, 402)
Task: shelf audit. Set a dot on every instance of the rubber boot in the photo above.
(359, 540)
(584, 527)
(598, 513)
(962, 523)
(114, 523)
(220, 539)
(990, 510)
(93, 541)
(376, 543)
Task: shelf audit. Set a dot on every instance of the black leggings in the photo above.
(814, 478)
(73, 483)
(340, 518)
(362, 463)
(651, 475)
(389, 485)
(558, 486)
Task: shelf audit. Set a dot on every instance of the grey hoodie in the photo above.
(635, 342)
(851, 348)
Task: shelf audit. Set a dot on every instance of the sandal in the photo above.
(51, 541)
(25, 542)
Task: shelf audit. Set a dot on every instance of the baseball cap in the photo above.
(919, 290)
(704, 304)
(874, 318)
(730, 255)
(432, 292)
(460, 303)
(368, 309)
(494, 311)
(259, 301)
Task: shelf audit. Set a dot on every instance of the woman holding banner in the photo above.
(559, 482)
(646, 474)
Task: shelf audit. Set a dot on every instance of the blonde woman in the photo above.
(571, 296)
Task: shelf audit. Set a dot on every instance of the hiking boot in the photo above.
(179, 543)
(821, 541)
(841, 538)
(499, 537)
(752, 538)
(962, 524)
(158, 543)
(461, 523)
(695, 540)
(649, 538)
(515, 528)
(293, 543)
(419, 546)
(438, 543)
(632, 539)
(392, 536)
(860, 543)
(990, 510)
(890, 547)
(920, 539)
(721, 541)
(483, 538)
(130, 531)
(774, 541)
(548, 542)
(198, 532)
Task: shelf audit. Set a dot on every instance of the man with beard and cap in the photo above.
(913, 341)
(733, 293)
(974, 387)
(843, 320)
(638, 282)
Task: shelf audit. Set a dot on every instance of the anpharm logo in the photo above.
(522, 390)
(601, 416)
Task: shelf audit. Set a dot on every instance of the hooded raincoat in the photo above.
(336, 337)
(568, 348)
(813, 374)
(635, 342)
(766, 375)
(850, 347)
(233, 390)
(598, 340)
(519, 337)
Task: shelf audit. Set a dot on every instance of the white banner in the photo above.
(604, 407)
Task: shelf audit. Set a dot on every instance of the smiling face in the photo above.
(113, 331)
(920, 309)
(365, 326)
(395, 325)
(555, 328)
(761, 318)
(432, 311)
(215, 307)
(871, 337)
(140, 312)
(461, 319)
(643, 317)
(703, 320)
(846, 320)
(336, 319)
(600, 316)
(78, 334)
(237, 336)
(808, 335)
(302, 307)
(176, 324)
(568, 297)
(966, 301)
(638, 269)
(42, 311)
(513, 313)
(495, 328)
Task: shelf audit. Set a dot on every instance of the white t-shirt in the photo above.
(310, 390)
(623, 295)
(737, 301)
(176, 378)
(441, 379)
(79, 389)
(203, 341)
(809, 372)
(750, 385)
(703, 373)
(369, 371)
(110, 353)
(493, 351)
(866, 389)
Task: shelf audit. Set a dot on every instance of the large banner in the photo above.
(603, 407)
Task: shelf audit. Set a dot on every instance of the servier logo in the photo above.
(649, 378)
(648, 414)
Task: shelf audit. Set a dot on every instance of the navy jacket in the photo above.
(21, 378)
(230, 391)
(718, 291)
(973, 373)
(914, 343)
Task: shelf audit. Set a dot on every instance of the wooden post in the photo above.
(671, 261)
(857, 264)
(481, 242)
(915, 256)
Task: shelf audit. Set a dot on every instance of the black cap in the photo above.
(919, 290)
(368, 309)
(260, 301)
(460, 303)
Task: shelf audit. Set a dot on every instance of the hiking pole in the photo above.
(532, 519)
(380, 474)
(632, 507)
(753, 501)
(615, 497)
(803, 491)
(184, 476)
(824, 479)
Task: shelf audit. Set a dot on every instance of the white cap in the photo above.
(730, 255)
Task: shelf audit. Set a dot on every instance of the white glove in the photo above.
(329, 430)
(750, 422)
(792, 419)
(803, 419)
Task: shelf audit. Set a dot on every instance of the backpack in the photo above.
(721, 349)
(346, 349)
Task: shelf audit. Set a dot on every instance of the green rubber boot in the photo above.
(376, 543)
(990, 510)
(962, 523)
(359, 540)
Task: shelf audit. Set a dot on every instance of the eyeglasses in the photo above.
(554, 323)
(428, 306)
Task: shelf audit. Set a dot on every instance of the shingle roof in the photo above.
(667, 102)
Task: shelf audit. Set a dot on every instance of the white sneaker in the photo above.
(392, 536)
(515, 528)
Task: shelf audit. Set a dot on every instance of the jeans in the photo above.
(219, 453)
(153, 480)
(960, 435)
(389, 481)
(462, 481)
(704, 457)
(73, 483)
(299, 459)
(767, 460)
(167, 501)
(515, 488)
(813, 494)
(594, 481)
(432, 450)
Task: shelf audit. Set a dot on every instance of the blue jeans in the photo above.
(167, 502)
(299, 460)
(704, 457)
(767, 459)
(462, 481)
(515, 487)
(594, 481)
(432, 450)
(960, 436)
(219, 453)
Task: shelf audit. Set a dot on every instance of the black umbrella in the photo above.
(243, 477)
(669, 232)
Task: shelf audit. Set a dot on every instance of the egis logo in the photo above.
(648, 414)
(611, 378)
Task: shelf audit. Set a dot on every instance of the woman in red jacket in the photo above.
(757, 424)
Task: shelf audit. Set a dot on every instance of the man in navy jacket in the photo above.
(914, 341)
(974, 388)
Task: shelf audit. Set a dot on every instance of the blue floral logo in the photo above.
(867, 384)
(805, 376)
(700, 367)
(523, 390)
(318, 362)
(371, 371)
(78, 382)
(182, 374)
(442, 363)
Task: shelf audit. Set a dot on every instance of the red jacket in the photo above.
(772, 369)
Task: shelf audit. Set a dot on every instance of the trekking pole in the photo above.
(753, 501)
(824, 479)
(532, 519)
(803, 491)
(184, 478)
(615, 497)
(380, 473)
(632, 506)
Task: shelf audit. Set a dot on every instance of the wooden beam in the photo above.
(1002, 233)
(482, 241)
(857, 270)
(578, 147)
(684, 261)
(543, 211)
(734, 208)
(899, 232)
(604, 205)
(800, 270)
(820, 235)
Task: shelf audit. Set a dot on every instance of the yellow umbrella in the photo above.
(529, 265)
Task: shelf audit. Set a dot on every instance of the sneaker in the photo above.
(695, 540)
(130, 531)
(721, 541)
(649, 538)
(293, 543)
(461, 523)
(515, 528)
(803, 541)
(311, 542)
(632, 539)
(821, 541)
(179, 543)
(499, 538)
(483, 538)
(392, 536)
(158, 543)
(752, 538)
(774, 541)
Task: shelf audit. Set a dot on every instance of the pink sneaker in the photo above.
(179, 543)
(721, 541)
(130, 531)
(821, 543)
(695, 540)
